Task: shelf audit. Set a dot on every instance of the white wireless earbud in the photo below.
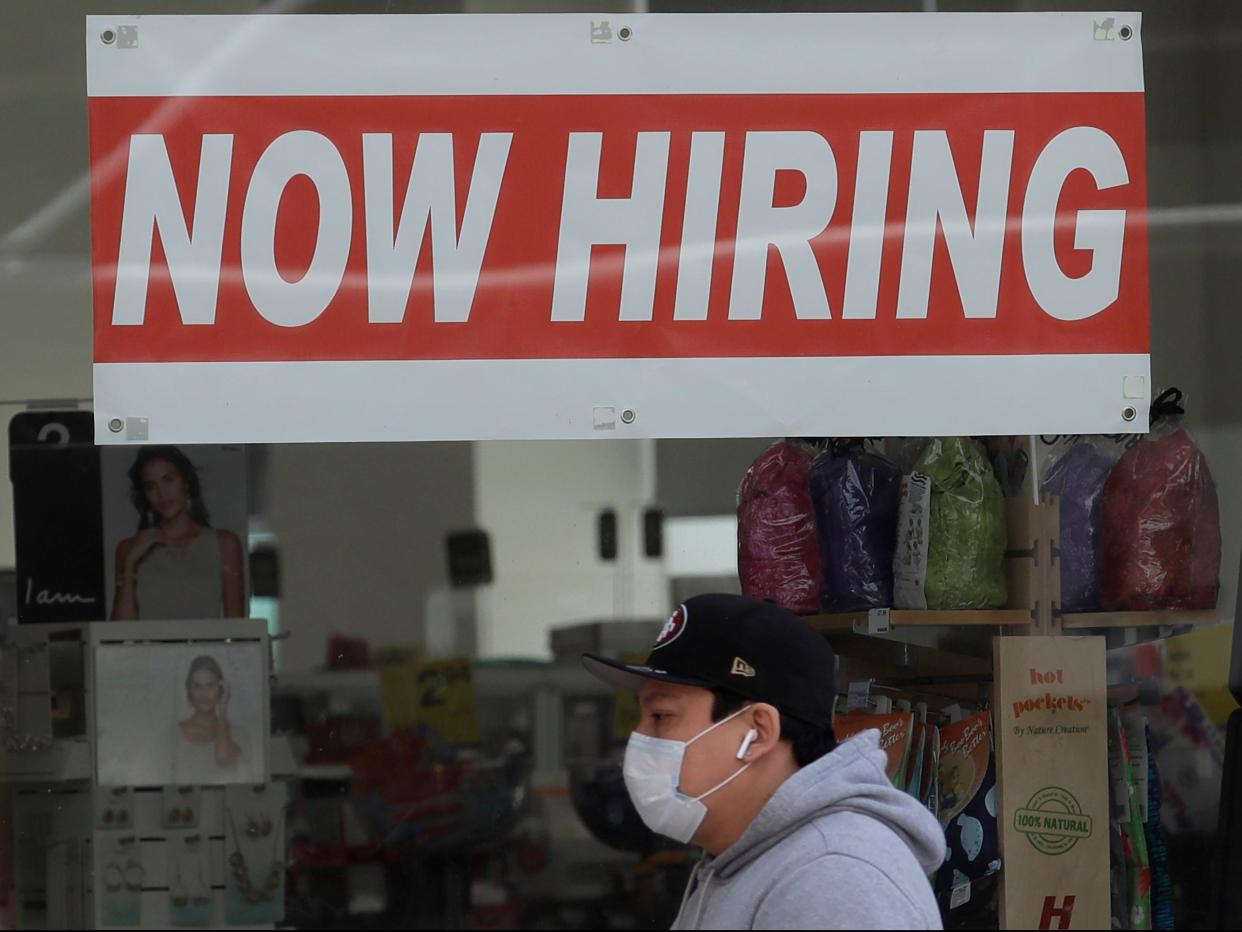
(746, 743)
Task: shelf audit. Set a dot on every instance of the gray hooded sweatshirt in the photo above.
(836, 847)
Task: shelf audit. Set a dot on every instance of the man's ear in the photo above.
(766, 722)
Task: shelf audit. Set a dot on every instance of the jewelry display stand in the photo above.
(151, 856)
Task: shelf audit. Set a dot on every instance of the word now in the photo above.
(395, 225)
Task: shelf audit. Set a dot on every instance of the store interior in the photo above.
(476, 573)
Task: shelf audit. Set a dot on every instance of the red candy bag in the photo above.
(777, 546)
(1160, 529)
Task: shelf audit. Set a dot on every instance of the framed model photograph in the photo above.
(175, 525)
(180, 714)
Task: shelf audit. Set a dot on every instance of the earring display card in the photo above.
(119, 879)
(114, 808)
(254, 854)
(189, 883)
(179, 807)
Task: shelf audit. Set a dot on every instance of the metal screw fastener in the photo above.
(628, 416)
(109, 36)
(1125, 32)
(1129, 414)
(116, 425)
(624, 33)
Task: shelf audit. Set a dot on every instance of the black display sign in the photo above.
(57, 516)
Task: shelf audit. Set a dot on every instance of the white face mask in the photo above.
(652, 772)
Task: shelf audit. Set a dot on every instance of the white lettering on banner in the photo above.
(588, 220)
(1100, 231)
(151, 201)
(789, 229)
(430, 197)
(296, 303)
(935, 199)
(698, 232)
(936, 195)
(862, 270)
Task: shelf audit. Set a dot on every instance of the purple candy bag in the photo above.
(856, 495)
(1078, 477)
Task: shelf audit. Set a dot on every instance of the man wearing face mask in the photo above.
(735, 753)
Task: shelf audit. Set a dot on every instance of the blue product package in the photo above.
(1078, 478)
(968, 806)
(1158, 852)
(855, 496)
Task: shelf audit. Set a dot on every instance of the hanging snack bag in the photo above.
(967, 804)
(1127, 814)
(930, 794)
(1077, 477)
(777, 547)
(855, 494)
(967, 529)
(1157, 851)
(1160, 524)
(918, 753)
(910, 554)
(896, 732)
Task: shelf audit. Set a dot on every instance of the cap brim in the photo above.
(630, 676)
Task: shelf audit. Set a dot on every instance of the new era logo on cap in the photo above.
(742, 668)
(672, 628)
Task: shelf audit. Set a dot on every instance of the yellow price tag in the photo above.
(446, 700)
(398, 674)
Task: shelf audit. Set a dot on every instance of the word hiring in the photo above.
(394, 239)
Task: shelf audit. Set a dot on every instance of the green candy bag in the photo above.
(968, 536)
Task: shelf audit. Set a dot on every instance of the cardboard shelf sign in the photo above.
(1051, 724)
(313, 228)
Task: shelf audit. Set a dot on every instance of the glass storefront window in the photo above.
(385, 721)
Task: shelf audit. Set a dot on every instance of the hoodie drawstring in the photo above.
(698, 913)
(685, 896)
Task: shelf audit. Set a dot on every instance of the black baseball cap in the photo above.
(751, 647)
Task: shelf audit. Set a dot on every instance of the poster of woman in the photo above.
(183, 714)
(175, 532)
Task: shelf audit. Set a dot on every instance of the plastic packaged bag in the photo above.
(929, 795)
(1160, 525)
(1157, 851)
(777, 547)
(1129, 820)
(968, 805)
(968, 534)
(855, 495)
(910, 553)
(1077, 477)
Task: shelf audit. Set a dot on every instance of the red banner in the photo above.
(258, 228)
